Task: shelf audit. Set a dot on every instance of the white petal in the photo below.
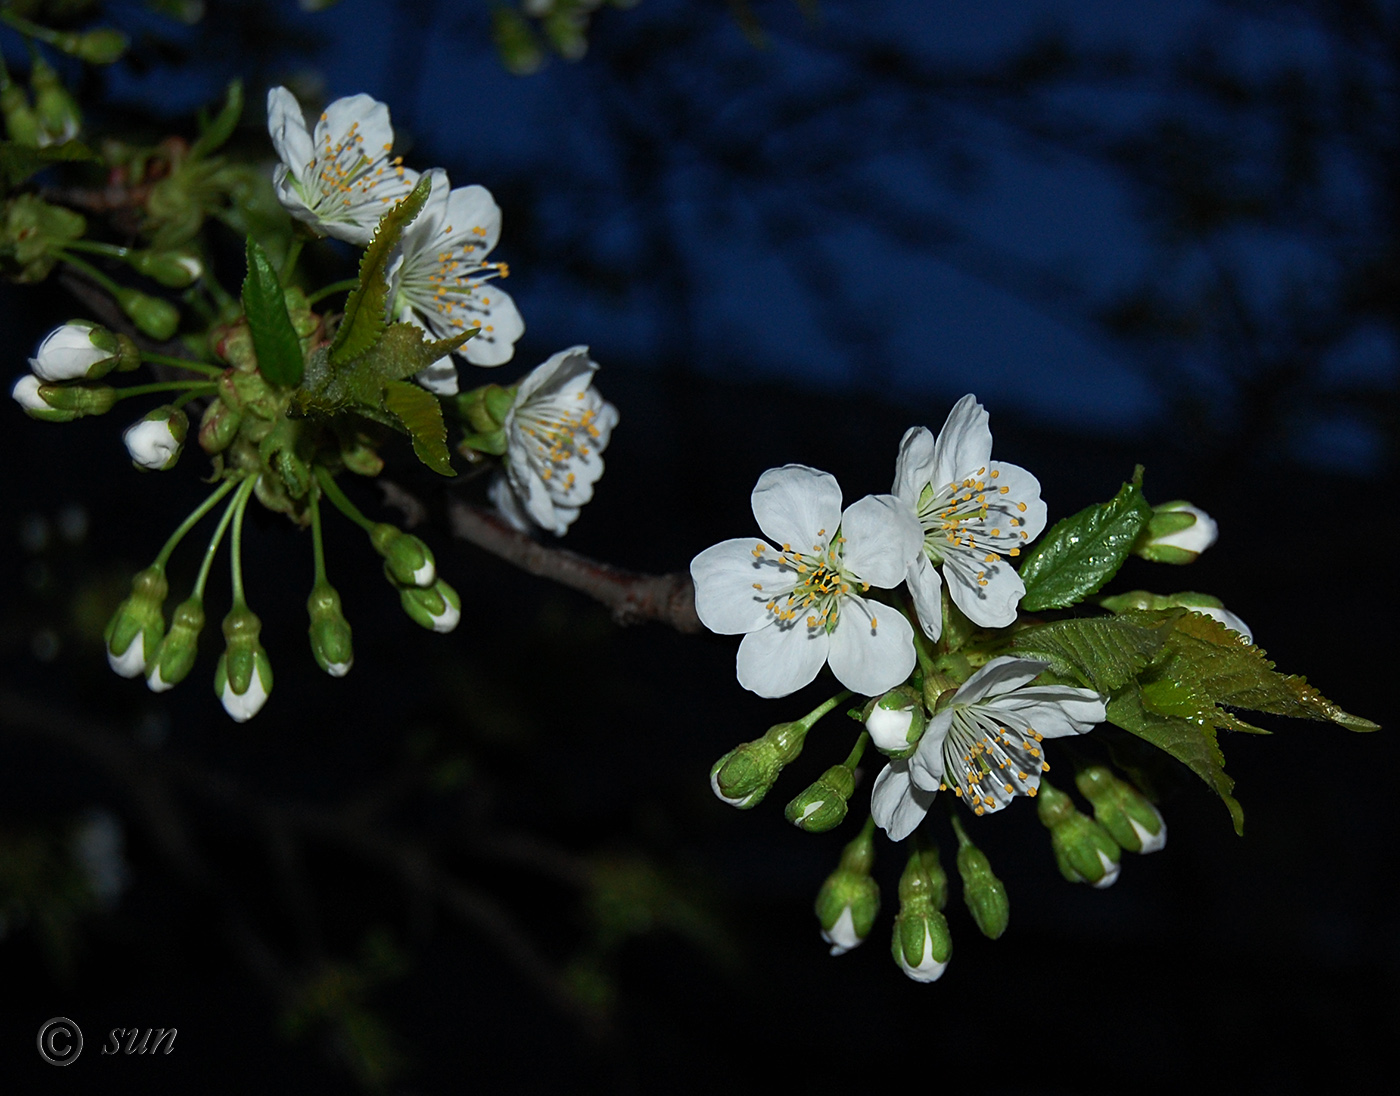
(883, 537)
(1000, 675)
(842, 935)
(889, 728)
(1151, 842)
(926, 766)
(242, 707)
(1110, 871)
(725, 598)
(286, 125)
(475, 219)
(500, 327)
(338, 669)
(150, 443)
(566, 363)
(502, 496)
(440, 378)
(924, 583)
(872, 646)
(913, 468)
(156, 683)
(448, 619)
(992, 605)
(26, 393)
(896, 804)
(777, 659)
(797, 505)
(1053, 710)
(367, 116)
(964, 444)
(132, 661)
(1194, 538)
(929, 968)
(1021, 488)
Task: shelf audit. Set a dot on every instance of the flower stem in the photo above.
(195, 388)
(922, 646)
(963, 839)
(290, 262)
(28, 29)
(96, 247)
(334, 287)
(853, 759)
(816, 713)
(182, 363)
(346, 507)
(240, 504)
(90, 270)
(216, 539)
(317, 548)
(191, 521)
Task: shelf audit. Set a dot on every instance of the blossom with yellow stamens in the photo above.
(339, 178)
(800, 606)
(977, 515)
(441, 280)
(556, 431)
(985, 744)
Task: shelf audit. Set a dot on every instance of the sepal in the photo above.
(1122, 810)
(1084, 851)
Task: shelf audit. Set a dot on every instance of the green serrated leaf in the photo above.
(18, 162)
(1103, 652)
(1217, 663)
(274, 338)
(366, 310)
(421, 415)
(400, 352)
(1082, 552)
(213, 135)
(1193, 745)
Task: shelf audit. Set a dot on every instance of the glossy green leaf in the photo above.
(421, 415)
(366, 310)
(275, 340)
(1084, 551)
(1104, 652)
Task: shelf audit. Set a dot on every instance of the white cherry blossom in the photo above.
(339, 178)
(976, 515)
(985, 745)
(68, 354)
(556, 431)
(799, 606)
(441, 280)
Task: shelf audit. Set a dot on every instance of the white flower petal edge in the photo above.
(842, 936)
(799, 605)
(985, 744)
(25, 392)
(1227, 618)
(975, 514)
(1194, 538)
(67, 354)
(929, 968)
(243, 706)
(556, 431)
(339, 179)
(440, 279)
(151, 444)
(132, 661)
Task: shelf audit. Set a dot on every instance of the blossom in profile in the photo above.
(976, 515)
(441, 279)
(801, 605)
(985, 744)
(556, 431)
(338, 178)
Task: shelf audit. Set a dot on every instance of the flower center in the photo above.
(971, 518)
(987, 762)
(559, 435)
(819, 584)
(344, 171)
(446, 281)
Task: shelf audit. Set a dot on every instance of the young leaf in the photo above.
(401, 351)
(366, 311)
(213, 134)
(1084, 551)
(421, 414)
(274, 338)
(1216, 663)
(1194, 746)
(1106, 652)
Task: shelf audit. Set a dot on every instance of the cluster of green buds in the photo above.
(1090, 850)
(46, 114)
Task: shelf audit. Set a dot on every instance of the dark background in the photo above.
(1168, 238)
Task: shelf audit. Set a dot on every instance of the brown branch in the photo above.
(632, 597)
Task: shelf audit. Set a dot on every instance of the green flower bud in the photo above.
(743, 776)
(485, 410)
(896, 722)
(360, 457)
(823, 805)
(219, 427)
(101, 46)
(82, 350)
(1177, 533)
(922, 944)
(59, 118)
(155, 317)
(78, 397)
(437, 608)
(137, 626)
(175, 656)
(173, 269)
(849, 900)
(21, 123)
(243, 677)
(407, 559)
(329, 631)
(1122, 810)
(983, 892)
(1084, 851)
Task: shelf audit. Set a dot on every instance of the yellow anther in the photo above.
(1021, 506)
